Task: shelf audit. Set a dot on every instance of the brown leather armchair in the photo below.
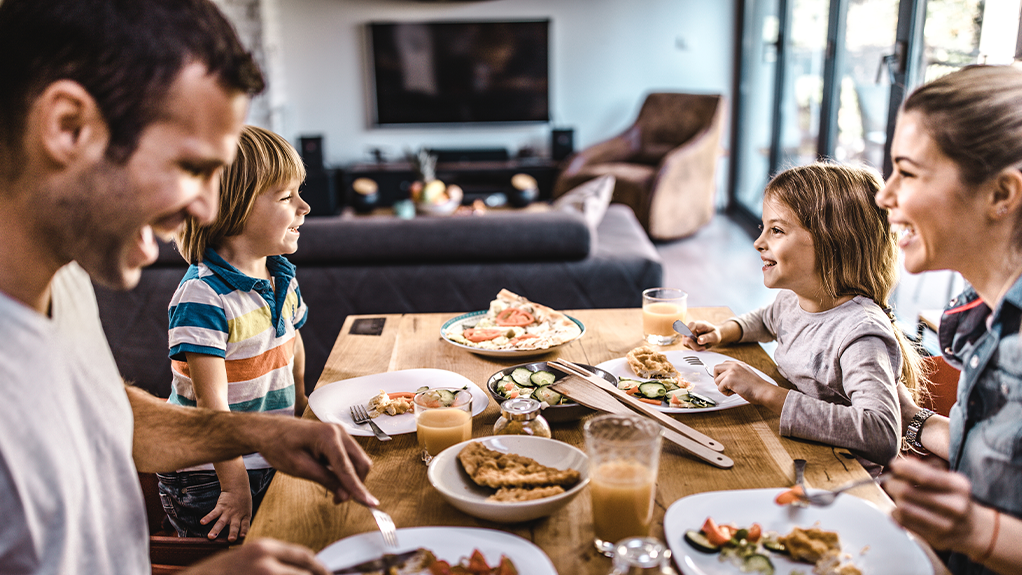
(665, 164)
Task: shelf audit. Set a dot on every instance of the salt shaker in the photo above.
(642, 556)
(520, 416)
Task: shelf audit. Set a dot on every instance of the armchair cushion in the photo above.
(664, 163)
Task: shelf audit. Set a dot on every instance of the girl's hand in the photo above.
(233, 509)
(934, 503)
(707, 335)
(734, 377)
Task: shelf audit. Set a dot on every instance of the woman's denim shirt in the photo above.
(986, 420)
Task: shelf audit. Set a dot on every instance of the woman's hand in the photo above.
(233, 510)
(707, 335)
(934, 503)
(734, 377)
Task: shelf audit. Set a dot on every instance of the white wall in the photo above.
(604, 56)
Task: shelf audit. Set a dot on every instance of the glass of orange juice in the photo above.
(443, 417)
(661, 307)
(624, 455)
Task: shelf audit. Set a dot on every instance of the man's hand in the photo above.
(169, 437)
(322, 452)
(261, 557)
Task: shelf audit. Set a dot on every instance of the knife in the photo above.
(680, 327)
(377, 565)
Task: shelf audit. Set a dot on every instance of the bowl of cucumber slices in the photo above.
(534, 380)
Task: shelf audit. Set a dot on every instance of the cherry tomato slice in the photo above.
(514, 317)
(481, 335)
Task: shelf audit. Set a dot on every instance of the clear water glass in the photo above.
(642, 556)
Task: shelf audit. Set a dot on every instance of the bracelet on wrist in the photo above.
(993, 539)
(913, 432)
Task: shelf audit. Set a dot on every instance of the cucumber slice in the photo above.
(522, 376)
(545, 393)
(625, 383)
(543, 378)
(699, 541)
(422, 389)
(773, 544)
(758, 563)
(446, 397)
(652, 390)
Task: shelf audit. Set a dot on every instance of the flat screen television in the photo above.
(459, 72)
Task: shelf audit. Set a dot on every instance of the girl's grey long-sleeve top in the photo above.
(845, 364)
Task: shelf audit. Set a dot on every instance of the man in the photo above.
(116, 118)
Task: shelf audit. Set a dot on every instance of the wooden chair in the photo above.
(168, 552)
(943, 387)
(665, 163)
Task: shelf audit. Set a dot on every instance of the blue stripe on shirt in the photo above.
(191, 314)
(272, 401)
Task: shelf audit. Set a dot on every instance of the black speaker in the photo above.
(318, 191)
(562, 143)
(312, 152)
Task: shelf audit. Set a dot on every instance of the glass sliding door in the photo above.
(864, 82)
(752, 129)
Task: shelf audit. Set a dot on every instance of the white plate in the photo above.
(447, 543)
(858, 523)
(447, 476)
(332, 402)
(702, 382)
(472, 318)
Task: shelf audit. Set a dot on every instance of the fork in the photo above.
(825, 498)
(693, 360)
(800, 469)
(360, 416)
(386, 524)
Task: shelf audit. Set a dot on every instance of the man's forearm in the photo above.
(169, 437)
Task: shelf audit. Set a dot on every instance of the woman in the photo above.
(956, 198)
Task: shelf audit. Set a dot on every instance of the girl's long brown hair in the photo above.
(856, 251)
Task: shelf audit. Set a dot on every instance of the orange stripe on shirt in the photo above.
(249, 368)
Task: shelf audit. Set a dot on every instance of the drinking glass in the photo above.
(642, 556)
(661, 307)
(443, 417)
(624, 455)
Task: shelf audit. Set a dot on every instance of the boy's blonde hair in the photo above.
(265, 160)
(856, 252)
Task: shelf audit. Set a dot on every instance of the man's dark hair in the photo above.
(125, 53)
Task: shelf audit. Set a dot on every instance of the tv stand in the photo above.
(478, 179)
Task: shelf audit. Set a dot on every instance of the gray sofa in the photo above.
(377, 265)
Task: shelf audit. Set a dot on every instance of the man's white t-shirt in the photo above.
(70, 499)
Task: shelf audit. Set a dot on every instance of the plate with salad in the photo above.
(452, 544)
(512, 327)
(691, 390)
(332, 402)
(722, 532)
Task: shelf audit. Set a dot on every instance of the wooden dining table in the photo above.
(303, 512)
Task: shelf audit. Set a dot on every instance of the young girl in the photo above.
(830, 250)
(234, 320)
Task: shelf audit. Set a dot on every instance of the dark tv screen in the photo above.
(458, 72)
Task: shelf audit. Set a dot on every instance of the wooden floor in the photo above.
(716, 266)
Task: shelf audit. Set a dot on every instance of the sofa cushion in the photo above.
(590, 199)
(497, 236)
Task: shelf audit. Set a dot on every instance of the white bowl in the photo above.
(449, 478)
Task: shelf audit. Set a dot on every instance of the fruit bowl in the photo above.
(436, 199)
